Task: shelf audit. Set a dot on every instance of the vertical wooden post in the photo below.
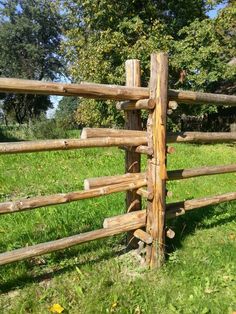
(132, 159)
(157, 175)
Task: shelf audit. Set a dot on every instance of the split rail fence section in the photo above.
(147, 225)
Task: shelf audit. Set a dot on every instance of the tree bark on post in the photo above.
(132, 159)
(157, 175)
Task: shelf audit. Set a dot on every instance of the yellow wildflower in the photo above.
(56, 308)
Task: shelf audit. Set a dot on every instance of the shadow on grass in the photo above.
(183, 226)
(187, 224)
(57, 268)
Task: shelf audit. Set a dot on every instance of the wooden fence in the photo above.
(147, 225)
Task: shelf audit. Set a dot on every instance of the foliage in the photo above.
(22, 108)
(101, 37)
(43, 128)
(30, 36)
(205, 51)
(65, 113)
(98, 113)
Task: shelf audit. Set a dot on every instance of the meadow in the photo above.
(100, 277)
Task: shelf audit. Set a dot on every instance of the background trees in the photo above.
(103, 34)
(30, 37)
(96, 37)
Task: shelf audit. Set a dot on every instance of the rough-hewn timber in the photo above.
(41, 201)
(157, 173)
(67, 144)
(172, 209)
(92, 183)
(185, 137)
(102, 91)
(52, 246)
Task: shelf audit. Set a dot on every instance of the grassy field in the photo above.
(200, 273)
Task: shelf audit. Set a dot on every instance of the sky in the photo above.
(213, 13)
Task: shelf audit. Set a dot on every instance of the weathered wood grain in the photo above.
(68, 144)
(52, 246)
(102, 91)
(172, 209)
(157, 173)
(41, 201)
(132, 158)
(96, 182)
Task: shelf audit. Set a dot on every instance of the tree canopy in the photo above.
(30, 37)
(102, 35)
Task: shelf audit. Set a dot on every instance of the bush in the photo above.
(47, 129)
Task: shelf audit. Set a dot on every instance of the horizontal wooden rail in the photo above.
(112, 226)
(201, 137)
(192, 98)
(139, 216)
(102, 91)
(182, 137)
(142, 149)
(179, 208)
(104, 132)
(67, 144)
(143, 104)
(41, 201)
(92, 183)
(100, 141)
(52, 246)
(88, 90)
(172, 210)
(201, 171)
(179, 174)
(136, 105)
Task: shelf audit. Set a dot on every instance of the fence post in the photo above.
(132, 159)
(156, 129)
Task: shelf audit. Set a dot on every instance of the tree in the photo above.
(65, 113)
(102, 35)
(206, 53)
(30, 37)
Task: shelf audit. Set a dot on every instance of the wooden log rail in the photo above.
(172, 210)
(125, 139)
(185, 137)
(179, 208)
(92, 183)
(52, 246)
(111, 226)
(201, 171)
(179, 174)
(41, 201)
(136, 105)
(96, 187)
(102, 91)
(68, 144)
(201, 137)
(104, 132)
(144, 104)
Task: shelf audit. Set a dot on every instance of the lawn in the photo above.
(198, 277)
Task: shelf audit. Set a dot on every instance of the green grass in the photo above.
(198, 277)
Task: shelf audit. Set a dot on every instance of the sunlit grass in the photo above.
(199, 276)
